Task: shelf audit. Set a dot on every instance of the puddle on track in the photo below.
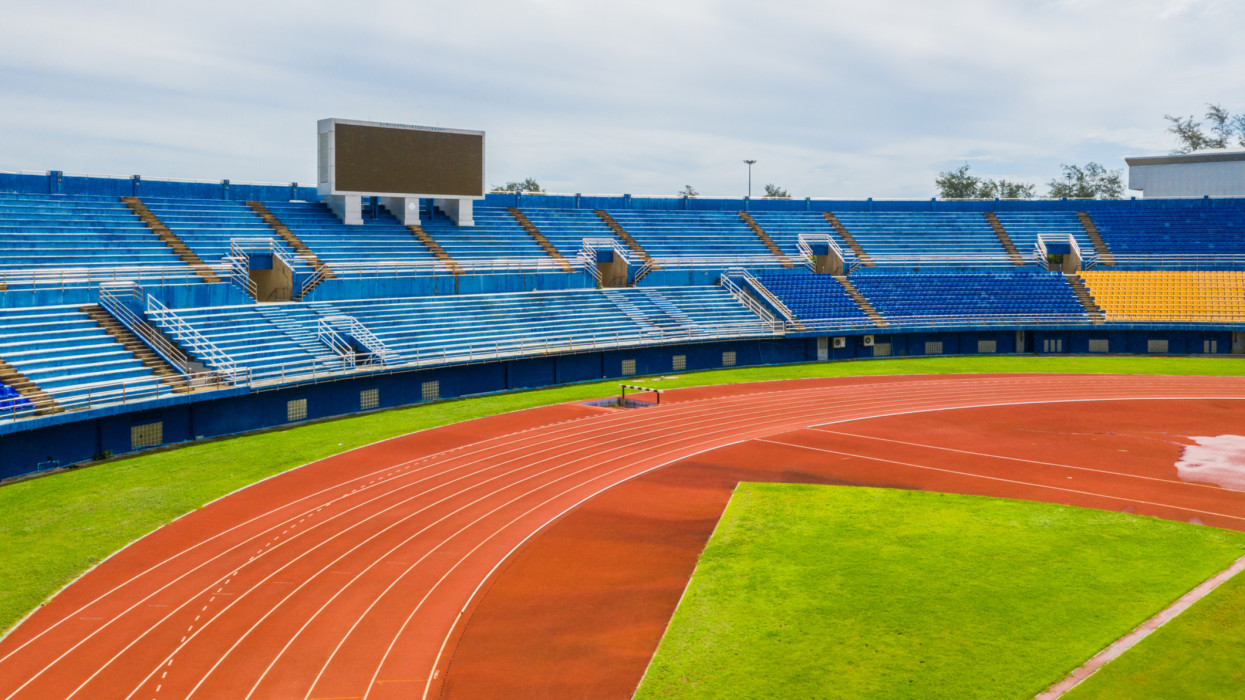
(1218, 460)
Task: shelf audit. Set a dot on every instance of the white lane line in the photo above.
(1018, 459)
(1145, 629)
(1000, 479)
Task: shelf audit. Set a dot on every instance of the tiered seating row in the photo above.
(70, 357)
(67, 240)
(814, 297)
(496, 241)
(1025, 227)
(951, 299)
(277, 340)
(926, 239)
(208, 226)
(1168, 296)
(381, 240)
(696, 239)
(1173, 238)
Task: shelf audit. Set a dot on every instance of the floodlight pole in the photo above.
(749, 162)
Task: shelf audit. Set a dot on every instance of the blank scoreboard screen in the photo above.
(407, 160)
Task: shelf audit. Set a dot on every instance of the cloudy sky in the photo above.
(833, 99)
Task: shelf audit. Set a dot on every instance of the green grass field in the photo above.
(1198, 655)
(829, 591)
(55, 528)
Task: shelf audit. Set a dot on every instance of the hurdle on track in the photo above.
(622, 393)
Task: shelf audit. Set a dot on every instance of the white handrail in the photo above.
(764, 291)
(753, 305)
(355, 329)
(200, 347)
(115, 298)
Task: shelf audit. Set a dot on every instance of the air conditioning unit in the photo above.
(866, 340)
(839, 342)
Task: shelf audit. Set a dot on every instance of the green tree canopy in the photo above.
(1220, 128)
(688, 191)
(961, 184)
(527, 185)
(1090, 182)
(773, 191)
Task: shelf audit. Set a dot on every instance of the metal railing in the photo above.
(200, 347)
(586, 259)
(106, 393)
(239, 260)
(806, 240)
(1041, 250)
(326, 334)
(948, 321)
(778, 326)
(707, 262)
(402, 267)
(69, 277)
(378, 352)
(764, 291)
(1185, 261)
(124, 300)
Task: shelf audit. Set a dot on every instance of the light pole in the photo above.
(749, 162)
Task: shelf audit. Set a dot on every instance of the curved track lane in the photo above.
(350, 577)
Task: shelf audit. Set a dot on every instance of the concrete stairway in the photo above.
(1005, 239)
(177, 245)
(769, 242)
(861, 301)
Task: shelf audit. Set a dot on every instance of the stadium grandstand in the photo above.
(137, 312)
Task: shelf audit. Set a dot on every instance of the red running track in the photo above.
(425, 565)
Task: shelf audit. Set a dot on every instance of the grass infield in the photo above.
(831, 591)
(1195, 656)
(55, 528)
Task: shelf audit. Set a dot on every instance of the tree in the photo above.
(1091, 182)
(773, 191)
(688, 191)
(528, 185)
(1006, 189)
(1223, 126)
(960, 184)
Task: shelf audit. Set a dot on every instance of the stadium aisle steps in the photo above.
(1005, 239)
(177, 245)
(163, 371)
(60, 242)
(323, 272)
(818, 299)
(765, 238)
(696, 239)
(861, 301)
(33, 393)
(276, 340)
(626, 237)
(540, 239)
(852, 243)
(1087, 300)
(435, 248)
(1104, 253)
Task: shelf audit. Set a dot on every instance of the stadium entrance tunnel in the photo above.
(273, 280)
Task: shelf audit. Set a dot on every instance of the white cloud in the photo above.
(841, 99)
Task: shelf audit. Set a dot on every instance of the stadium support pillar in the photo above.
(457, 209)
(404, 209)
(348, 208)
